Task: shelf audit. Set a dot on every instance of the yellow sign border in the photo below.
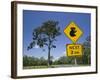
(78, 27)
(74, 56)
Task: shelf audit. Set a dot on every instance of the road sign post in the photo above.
(73, 32)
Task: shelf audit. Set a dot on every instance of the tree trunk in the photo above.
(48, 56)
(49, 52)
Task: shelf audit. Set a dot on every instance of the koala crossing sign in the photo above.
(73, 32)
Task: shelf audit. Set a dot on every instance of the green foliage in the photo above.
(63, 60)
(33, 61)
(45, 34)
(87, 56)
(42, 61)
(87, 51)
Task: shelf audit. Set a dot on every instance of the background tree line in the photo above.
(33, 61)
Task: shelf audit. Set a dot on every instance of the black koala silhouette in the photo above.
(72, 32)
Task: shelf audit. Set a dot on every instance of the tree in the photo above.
(87, 52)
(65, 60)
(45, 35)
(42, 61)
(33, 61)
(62, 60)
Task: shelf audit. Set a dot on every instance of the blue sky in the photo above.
(33, 19)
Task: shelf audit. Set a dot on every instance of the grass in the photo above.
(54, 66)
(34, 67)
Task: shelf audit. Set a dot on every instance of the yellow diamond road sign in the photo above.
(74, 50)
(73, 32)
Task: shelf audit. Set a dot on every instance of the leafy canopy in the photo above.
(45, 34)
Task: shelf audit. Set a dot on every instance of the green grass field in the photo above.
(52, 66)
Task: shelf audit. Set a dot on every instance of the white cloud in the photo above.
(36, 46)
(62, 54)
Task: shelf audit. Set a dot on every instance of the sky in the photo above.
(33, 19)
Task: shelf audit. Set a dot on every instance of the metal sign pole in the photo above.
(75, 61)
